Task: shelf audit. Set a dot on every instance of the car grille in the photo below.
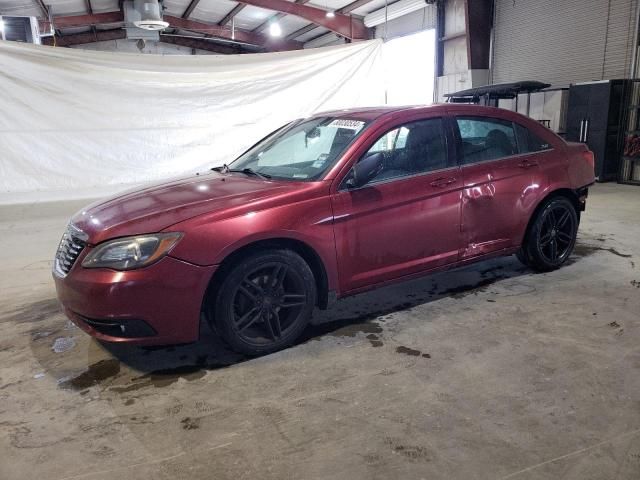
(72, 243)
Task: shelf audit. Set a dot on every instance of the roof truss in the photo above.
(119, 33)
(234, 11)
(213, 30)
(190, 8)
(344, 25)
(346, 9)
(275, 17)
(341, 23)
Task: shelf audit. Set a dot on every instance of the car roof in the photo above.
(373, 113)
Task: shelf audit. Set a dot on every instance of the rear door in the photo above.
(501, 176)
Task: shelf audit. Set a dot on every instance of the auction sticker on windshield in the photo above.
(350, 124)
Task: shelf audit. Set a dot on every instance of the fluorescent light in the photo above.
(275, 30)
(395, 10)
(330, 14)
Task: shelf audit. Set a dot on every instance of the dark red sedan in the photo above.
(322, 208)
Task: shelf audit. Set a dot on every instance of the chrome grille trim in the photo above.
(71, 245)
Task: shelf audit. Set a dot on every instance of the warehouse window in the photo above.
(485, 139)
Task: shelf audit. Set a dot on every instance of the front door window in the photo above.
(411, 149)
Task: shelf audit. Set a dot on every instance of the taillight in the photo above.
(588, 156)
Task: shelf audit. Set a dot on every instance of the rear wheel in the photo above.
(552, 235)
(265, 302)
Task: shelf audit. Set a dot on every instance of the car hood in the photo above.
(156, 207)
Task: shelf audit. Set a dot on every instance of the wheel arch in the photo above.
(308, 254)
(565, 192)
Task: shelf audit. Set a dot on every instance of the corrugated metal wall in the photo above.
(424, 19)
(563, 42)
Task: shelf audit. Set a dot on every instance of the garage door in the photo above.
(563, 42)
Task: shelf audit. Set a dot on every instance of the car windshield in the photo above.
(302, 150)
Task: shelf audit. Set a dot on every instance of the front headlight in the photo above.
(131, 252)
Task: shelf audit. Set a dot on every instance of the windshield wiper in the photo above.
(248, 171)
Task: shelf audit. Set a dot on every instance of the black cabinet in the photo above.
(595, 116)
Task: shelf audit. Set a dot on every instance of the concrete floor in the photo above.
(489, 372)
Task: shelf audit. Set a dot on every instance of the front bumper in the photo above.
(156, 305)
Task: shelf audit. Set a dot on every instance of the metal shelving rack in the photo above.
(630, 165)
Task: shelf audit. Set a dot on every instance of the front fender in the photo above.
(209, 242)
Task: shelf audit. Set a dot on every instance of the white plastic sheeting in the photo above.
(74, 123)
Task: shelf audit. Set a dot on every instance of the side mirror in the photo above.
(365, 170)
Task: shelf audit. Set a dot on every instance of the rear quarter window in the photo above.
(529, 142)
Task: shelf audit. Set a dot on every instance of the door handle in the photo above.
(443, 182)
(581, 130)
(527, 164)
(586, 130)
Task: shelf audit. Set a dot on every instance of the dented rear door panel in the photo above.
(497, 199)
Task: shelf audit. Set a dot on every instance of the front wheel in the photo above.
(552, 235)
(265, 302)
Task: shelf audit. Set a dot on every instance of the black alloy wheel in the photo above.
(557, 233)
(265, 302)
(552, 235)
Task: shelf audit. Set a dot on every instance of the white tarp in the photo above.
(73, 122)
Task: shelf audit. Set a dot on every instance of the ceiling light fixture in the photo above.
(331, 14)
(146, 14)
(275, 30)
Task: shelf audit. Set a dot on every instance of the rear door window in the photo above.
(484, 139)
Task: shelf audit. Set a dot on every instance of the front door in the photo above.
(407, 218)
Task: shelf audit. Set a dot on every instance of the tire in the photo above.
(265, 302)
(552, 235)
(522, 256)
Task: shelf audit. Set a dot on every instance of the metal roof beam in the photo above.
(275, 17)
(269, 20)
(83, 20)
(192, 6)
(353, 6)
(301, 31)
(346, 9)
(344, 25)
(229, 16)
(87, 37)
(43, 8)
(201, 44)
(241, 36)
(119, 34)
(238, 35)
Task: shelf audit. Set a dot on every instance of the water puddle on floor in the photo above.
(364, 315)
(94, 375)
(584, 250)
